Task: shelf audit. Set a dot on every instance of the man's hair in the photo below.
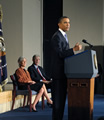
(34, 56)
(61, 18)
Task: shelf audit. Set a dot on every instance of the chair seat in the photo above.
(22, 92)
(25, 92)
(34, 92)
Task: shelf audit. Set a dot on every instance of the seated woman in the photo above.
(23, 76)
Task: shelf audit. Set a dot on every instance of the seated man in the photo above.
(37, 73)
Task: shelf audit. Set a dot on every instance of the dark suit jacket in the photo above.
(35, 75)
(59, 50)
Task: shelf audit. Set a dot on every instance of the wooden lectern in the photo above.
(81, 70)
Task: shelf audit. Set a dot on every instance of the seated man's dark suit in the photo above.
(35, 76)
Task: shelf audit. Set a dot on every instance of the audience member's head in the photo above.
(36, 59)
(20, 60)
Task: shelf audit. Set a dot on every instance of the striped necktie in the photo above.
(66, 38)
(41, 74)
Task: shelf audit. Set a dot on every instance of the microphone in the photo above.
(85, 41)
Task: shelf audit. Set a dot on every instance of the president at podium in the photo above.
(59, 51)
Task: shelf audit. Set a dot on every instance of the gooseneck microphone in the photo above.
(85, 41)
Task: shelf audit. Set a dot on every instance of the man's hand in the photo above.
(77, 47)
(47, 82)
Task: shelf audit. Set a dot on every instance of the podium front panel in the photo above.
(82, 65)
(80, 99)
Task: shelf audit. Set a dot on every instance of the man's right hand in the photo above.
(47, 82)
(77, 47)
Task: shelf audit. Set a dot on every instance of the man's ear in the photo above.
(58, 24)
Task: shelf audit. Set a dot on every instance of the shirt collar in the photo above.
(36, 66)
(63, 33)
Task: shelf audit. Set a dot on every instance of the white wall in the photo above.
(32, 29)
(22, 26)
(103, 24)
(86, 18)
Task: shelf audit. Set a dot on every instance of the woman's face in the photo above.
(23, 63)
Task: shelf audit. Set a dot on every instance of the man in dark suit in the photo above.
(37, 73)
(59, 50)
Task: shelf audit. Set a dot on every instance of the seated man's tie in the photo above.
(41, 74)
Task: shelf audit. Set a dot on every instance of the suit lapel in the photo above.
(35, 70)
(64, 40)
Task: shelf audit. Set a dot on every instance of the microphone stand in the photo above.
(91, 46)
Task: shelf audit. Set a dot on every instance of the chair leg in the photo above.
(13, 99)
(42, 101)
(29, 100)
(24, 101)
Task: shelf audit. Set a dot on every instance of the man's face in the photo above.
(64, 24)
(37, 60)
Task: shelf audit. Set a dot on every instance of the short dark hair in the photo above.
(33, 58)
(61, 18)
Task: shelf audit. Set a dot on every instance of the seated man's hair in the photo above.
(33, 58)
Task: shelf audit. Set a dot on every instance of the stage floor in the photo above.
(24, 114)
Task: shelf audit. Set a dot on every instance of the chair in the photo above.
(27, 92)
